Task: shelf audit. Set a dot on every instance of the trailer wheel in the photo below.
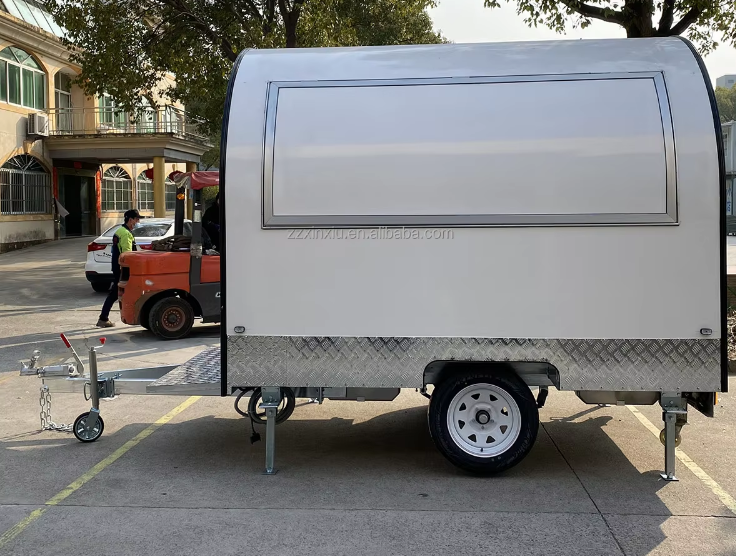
(483, 422)
(80, 428)
(171, 318)
(286, 408)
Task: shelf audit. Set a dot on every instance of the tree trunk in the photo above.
(290, 22)
(639, 19)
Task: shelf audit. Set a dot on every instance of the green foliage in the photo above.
(208, 196)
(126, 49)
(366, 22)
(702, 21)
(726, 99)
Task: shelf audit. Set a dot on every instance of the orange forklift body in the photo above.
(164, 291)
(148, 276)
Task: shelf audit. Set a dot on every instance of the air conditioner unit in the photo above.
(38, 124)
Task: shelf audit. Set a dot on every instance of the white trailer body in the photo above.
(390, 213)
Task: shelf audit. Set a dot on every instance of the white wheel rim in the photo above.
(484, 420)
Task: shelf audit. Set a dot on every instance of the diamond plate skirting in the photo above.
(203, 368)
(656, 365)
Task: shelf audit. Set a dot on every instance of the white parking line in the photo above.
(706, 479)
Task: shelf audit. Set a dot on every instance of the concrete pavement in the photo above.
(353, 478)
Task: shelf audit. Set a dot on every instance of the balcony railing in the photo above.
(107, 121)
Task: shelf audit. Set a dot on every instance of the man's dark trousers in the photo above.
(112, 297)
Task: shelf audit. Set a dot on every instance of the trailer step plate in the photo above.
(198, 376)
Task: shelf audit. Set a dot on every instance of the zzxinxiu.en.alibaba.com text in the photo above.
(372, 233)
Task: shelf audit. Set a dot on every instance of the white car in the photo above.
(98, 268)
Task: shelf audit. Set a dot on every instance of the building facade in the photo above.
(70, 164)
(726, 81)
(729, 150)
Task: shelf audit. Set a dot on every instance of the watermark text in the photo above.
(373, 233)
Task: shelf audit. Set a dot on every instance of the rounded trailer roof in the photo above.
(468, 60)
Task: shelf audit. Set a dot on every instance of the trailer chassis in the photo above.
(74, 378)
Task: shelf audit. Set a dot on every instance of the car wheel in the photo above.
(483, 421)
(101, 287)
(171, 318)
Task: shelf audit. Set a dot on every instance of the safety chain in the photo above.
(46, 423)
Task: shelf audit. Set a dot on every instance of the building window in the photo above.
(63, 99)
(170, 195)
(22, 81)
(117, 190)
(110, 114)
(25, 187)
(145, 192)
(63, 90)
(146, 118)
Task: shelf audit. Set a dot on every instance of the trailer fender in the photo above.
(533, 373)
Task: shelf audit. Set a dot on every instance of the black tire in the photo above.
(94, 434)
(101, 287)
(145, 322)
(171, 318)
(499, 378)
(288, 403)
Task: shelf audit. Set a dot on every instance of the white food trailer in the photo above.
(471, 221)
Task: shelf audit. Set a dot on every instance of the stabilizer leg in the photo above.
(674, 415)
(271, 399)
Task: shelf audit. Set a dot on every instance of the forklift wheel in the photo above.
(80, 428)
(171, 318)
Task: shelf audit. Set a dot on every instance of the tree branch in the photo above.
(668, 15)
(224, 45)
(687, 20)
(291, 18)
(270, 17)
(155, 30)
(253, 9)
(594, 12)
(242, 18)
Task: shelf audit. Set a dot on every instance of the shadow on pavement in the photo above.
(386, 462)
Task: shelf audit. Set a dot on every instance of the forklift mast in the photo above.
(195, 267)
(192, 184)
(179, 211)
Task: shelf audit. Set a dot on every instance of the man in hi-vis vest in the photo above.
(122, 241)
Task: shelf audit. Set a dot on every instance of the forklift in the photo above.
(165, 291)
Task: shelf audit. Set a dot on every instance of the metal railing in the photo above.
(106, 121)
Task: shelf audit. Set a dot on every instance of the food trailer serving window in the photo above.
(589, 149)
